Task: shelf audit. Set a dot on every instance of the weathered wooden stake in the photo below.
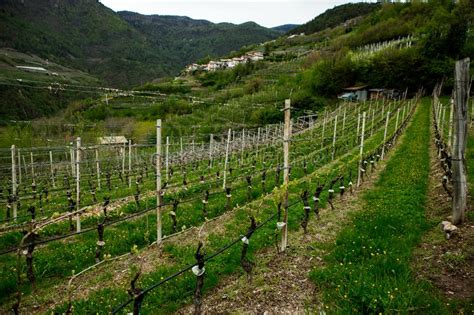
(334, 138)
(129, 163)
(158, 183)
(123, 158)
(358, 127)
(385, 134)
(344, 122)
(396, 122)
(33, 175)
(24, 165)
(322, 133)
(78, 183)
(226, 159)
(372, 127)
(14, 184)
(97, 165)
(167, 165)
(286, 171)
(211, 140)
(52, 169)
(19, 167)
(73, 162)
(361, 152)
(460, 141)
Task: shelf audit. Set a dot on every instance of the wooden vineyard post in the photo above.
(211, 139)
(14, 185)
(385, 135)
(226, 159)
(403, 113)
(73, 163)
(451, 125)
(24, 164)
(372, 126)
(358, 126)
(461, 96)
(396, 121)
(181, 151)
(52, 169)
(158, 183)
(361, 152)
(78, 184)
(167, 165)
(19, 167)
(286, 171)
(123, 158)
(32, 168)
(257, 143)
(334, 138)
(344, 122)
(97, 164)
(129, 163)
(322, 134)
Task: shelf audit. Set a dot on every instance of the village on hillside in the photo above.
(222, 64)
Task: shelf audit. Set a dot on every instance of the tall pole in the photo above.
(361, 152)
(385, 134)
(211, 139)
(181, 150)
(97, 164)
(123, 157)
(73, 163)
(33, 168)
(322, 134)
(19, 167)
(334, 138)
(129, 163)
(344, 122)
(52, 170)
(226, 159)
(372, 127)
(158, 182)
(78, 183)
(461, 97)
(14, 185)
(396, 122)
(167, 158)
(286, 171)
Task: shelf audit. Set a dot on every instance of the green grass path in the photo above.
(368, 268)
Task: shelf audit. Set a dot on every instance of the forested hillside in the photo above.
(86, 35)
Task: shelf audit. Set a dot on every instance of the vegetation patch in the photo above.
(368, 269)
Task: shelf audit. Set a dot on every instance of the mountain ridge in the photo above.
(87, 35)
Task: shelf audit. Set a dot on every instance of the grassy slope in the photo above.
(368, 269)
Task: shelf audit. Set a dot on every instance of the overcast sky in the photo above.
(268, 13)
